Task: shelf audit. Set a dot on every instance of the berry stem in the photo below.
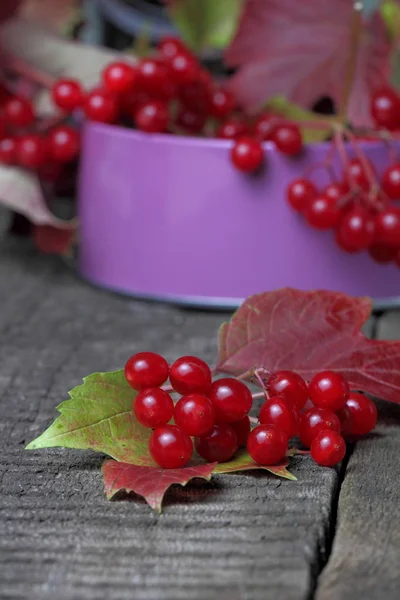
(356, 30)
(258, 395)
(372, 180)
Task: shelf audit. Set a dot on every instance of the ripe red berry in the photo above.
(288, 139)
(232, 399)
(277, 411)
(195, 414)
(388, 227)
(322, 212)
(146, 370)
(67, 94)
(222, 103)
(64, 143)
(232, 129)
(391, 182)
(264, 127)
(267, 444)
(101, 106)
(170, 47)
(119, 77)
(315, 420)
(190, 375)
(247, 154)
(290, 386)
(335, 191)
(328, 390)
(219, 444)
(356, 174)
(32, 151)
(184, 68)
(152, 117)
(170, 447)
(328, 448)
(356, 230)
(153, 78)
(242, 430)
(359, 416)
(18, 112)
(8, 151)
(196, 95)
(385, 108)
(153, 407)
(300, 193)
(190, 121)
(381, 254)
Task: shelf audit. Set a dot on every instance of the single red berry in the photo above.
(267, 444)
(153, 78)
(335, 191)
(288, 139)
(153, 407)
(190, 121)
(357, 175)
(130, 102)
(170, 47)
(277, 411)
(67, 94)
(146, 370)
(391, 182)
(184, 68)
(195, 414)
(264, 127)
(219, 444)
(388, 227)
(385, 108)
(19, 112)
(32, 151)
(64, 143)
(359, 416)
(247, 154)
(242, 430)
(232, 399)
(290, 386)
(190, 375)
(328, 389)
(119, 77)
(101, 106)
(222, 103)
(232, 129)
(300, 193)
(152, 117)
(328, 448)
(196, 95)
(381, 254)
(170, 447)
(322, 213)
(356, 230)
(315, 420)
(8, 151)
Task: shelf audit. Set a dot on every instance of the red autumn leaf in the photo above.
(301, 50)
(308, 332)
(149, 482)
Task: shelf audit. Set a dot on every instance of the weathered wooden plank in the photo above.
(242, 537)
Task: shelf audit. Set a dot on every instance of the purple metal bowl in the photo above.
(169, 218)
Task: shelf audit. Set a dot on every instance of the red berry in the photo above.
(184, 68)
(356, 230)
(101, 106)
(267, 444)
(328, 390)
(32, 151)
(232, 399)
(170, 447)
(8, 151)
(242, 430)
(264, 127)
(357, 175)
(219, 444)
(153, 78)
(195, 414)
(153, 407)
(190, 121)
(385, 108)
(277, 411)
(67, 94)
(300, 193)
(290, 386)
(288, 139)
(388, 227)
(170, 47)
(18, 112)
(322, 213)
(381, 254)
(222, 103)
(247, 154)
(196, 95)
(146, 370)
(119, 77)
(190, 375)
(152, 117)
(131, 101)
(64, 143)
(359, 416)
(335, 191)
(391, 182)
(328, 448)
(232, 129)
(315, 420)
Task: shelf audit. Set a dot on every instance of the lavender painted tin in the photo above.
(169, 218)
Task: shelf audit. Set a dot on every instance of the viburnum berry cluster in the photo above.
(215, 413)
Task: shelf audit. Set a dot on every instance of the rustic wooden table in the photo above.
(332, 535)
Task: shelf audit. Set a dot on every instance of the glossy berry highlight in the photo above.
(328, 390)
(315, 420)
(290, 386)
(195, 414)
(146, 370)
(359, 415)
(190, 375)
(328, 448)
(219, 444)
(247, 154)
(170, 447)
(277, 411)
(267, 445)
(153, 407)
(232, 399)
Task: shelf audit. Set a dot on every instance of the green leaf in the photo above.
(243, 462)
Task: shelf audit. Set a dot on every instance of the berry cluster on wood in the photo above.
(215, 413)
